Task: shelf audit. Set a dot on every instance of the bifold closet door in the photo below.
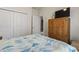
(21, 24)
(36, 24)
(5, 24)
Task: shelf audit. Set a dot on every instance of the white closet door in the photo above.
(5, 25)
(22, 25)
(36, 24)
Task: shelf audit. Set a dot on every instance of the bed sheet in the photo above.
(35, 43)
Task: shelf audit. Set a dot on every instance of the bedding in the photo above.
(35, 43)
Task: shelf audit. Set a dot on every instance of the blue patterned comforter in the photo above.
(35, 43)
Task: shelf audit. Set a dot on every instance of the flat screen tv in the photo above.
(62, 13)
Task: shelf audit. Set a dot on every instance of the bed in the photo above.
(35, 43)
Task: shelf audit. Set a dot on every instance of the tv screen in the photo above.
(62, 13)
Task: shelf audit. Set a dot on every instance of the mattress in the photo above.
(35, 43)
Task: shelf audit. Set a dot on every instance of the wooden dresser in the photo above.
(59, 29)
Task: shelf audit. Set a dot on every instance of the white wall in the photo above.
(47, 13)
(74, 23)
(35, 12)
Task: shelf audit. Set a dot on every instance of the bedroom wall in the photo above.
(74, 23)
(47, 13)
(35, 12)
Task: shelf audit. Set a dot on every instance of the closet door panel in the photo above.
(28, 24)
(36, 24)
(5, 25)
(21, 25)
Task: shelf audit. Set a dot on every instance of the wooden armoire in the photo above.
(59, 28)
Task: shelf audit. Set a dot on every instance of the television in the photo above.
(62, 13)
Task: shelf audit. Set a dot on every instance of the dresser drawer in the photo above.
(57, 37)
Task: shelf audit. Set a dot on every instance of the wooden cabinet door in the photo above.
(59, 29)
